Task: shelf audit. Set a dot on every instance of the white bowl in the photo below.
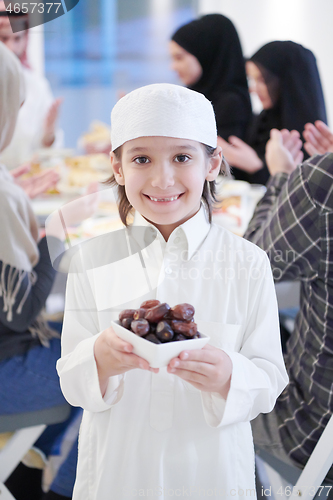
(157, 355)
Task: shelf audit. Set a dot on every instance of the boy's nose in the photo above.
(163, 176)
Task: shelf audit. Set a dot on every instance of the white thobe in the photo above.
(154, 435)
(29, 128)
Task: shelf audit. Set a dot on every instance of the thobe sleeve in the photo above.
(77, 366)
(258, 372)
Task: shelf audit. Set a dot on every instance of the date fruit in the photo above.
(164, 332)
(140, 327)
(148, 304)
(139, 313)
(189, 329)
(155, 314)
(126, 313)
(180, 336)
(152, 338)
(126, 323)
(182, 311)
(158, 323)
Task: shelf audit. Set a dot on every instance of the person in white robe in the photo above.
(36, 126)
(183, 430)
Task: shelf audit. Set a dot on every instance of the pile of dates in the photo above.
(160, 323)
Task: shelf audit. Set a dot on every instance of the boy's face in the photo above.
(164, 178)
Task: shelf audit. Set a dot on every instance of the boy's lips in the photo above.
(164, 198)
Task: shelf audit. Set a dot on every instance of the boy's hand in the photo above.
(208, 369)
(114, 356)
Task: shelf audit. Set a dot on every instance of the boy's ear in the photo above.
(117, 170)
(214, 164)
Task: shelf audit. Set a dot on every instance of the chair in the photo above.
(26, 428)
(309, 480)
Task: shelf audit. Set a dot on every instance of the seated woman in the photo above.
(285, 76)
(29, 349)
(207, 55)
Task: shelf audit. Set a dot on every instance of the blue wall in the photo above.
(103, 48)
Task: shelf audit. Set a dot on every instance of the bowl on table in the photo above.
(157, 355)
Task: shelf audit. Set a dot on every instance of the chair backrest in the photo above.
(47, 416)
(309, 480)
(26, 428)
(317, 466)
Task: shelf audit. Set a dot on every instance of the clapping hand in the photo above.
(318, 137)
(283, 151)
(73, 213)
(82, 208)
(36, 184)
(240, 155)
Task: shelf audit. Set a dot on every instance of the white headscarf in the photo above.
(18, 225)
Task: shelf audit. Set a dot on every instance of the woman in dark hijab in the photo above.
(285, 77)
(208, 58)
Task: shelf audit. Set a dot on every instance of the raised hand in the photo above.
(239, 154)
(50, 123)
(36, 184)
(318, 137)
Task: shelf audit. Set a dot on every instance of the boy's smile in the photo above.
(164, 178)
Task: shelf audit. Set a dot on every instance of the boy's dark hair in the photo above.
(209, 195)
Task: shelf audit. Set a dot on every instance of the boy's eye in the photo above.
(182, 158)
(141, 160)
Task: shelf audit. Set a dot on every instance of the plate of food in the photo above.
(236, 204)
(97, 138)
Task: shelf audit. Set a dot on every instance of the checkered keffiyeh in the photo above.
(293, 223)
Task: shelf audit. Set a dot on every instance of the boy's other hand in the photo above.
(208, 369)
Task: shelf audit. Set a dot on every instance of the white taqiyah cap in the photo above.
(166, 110)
